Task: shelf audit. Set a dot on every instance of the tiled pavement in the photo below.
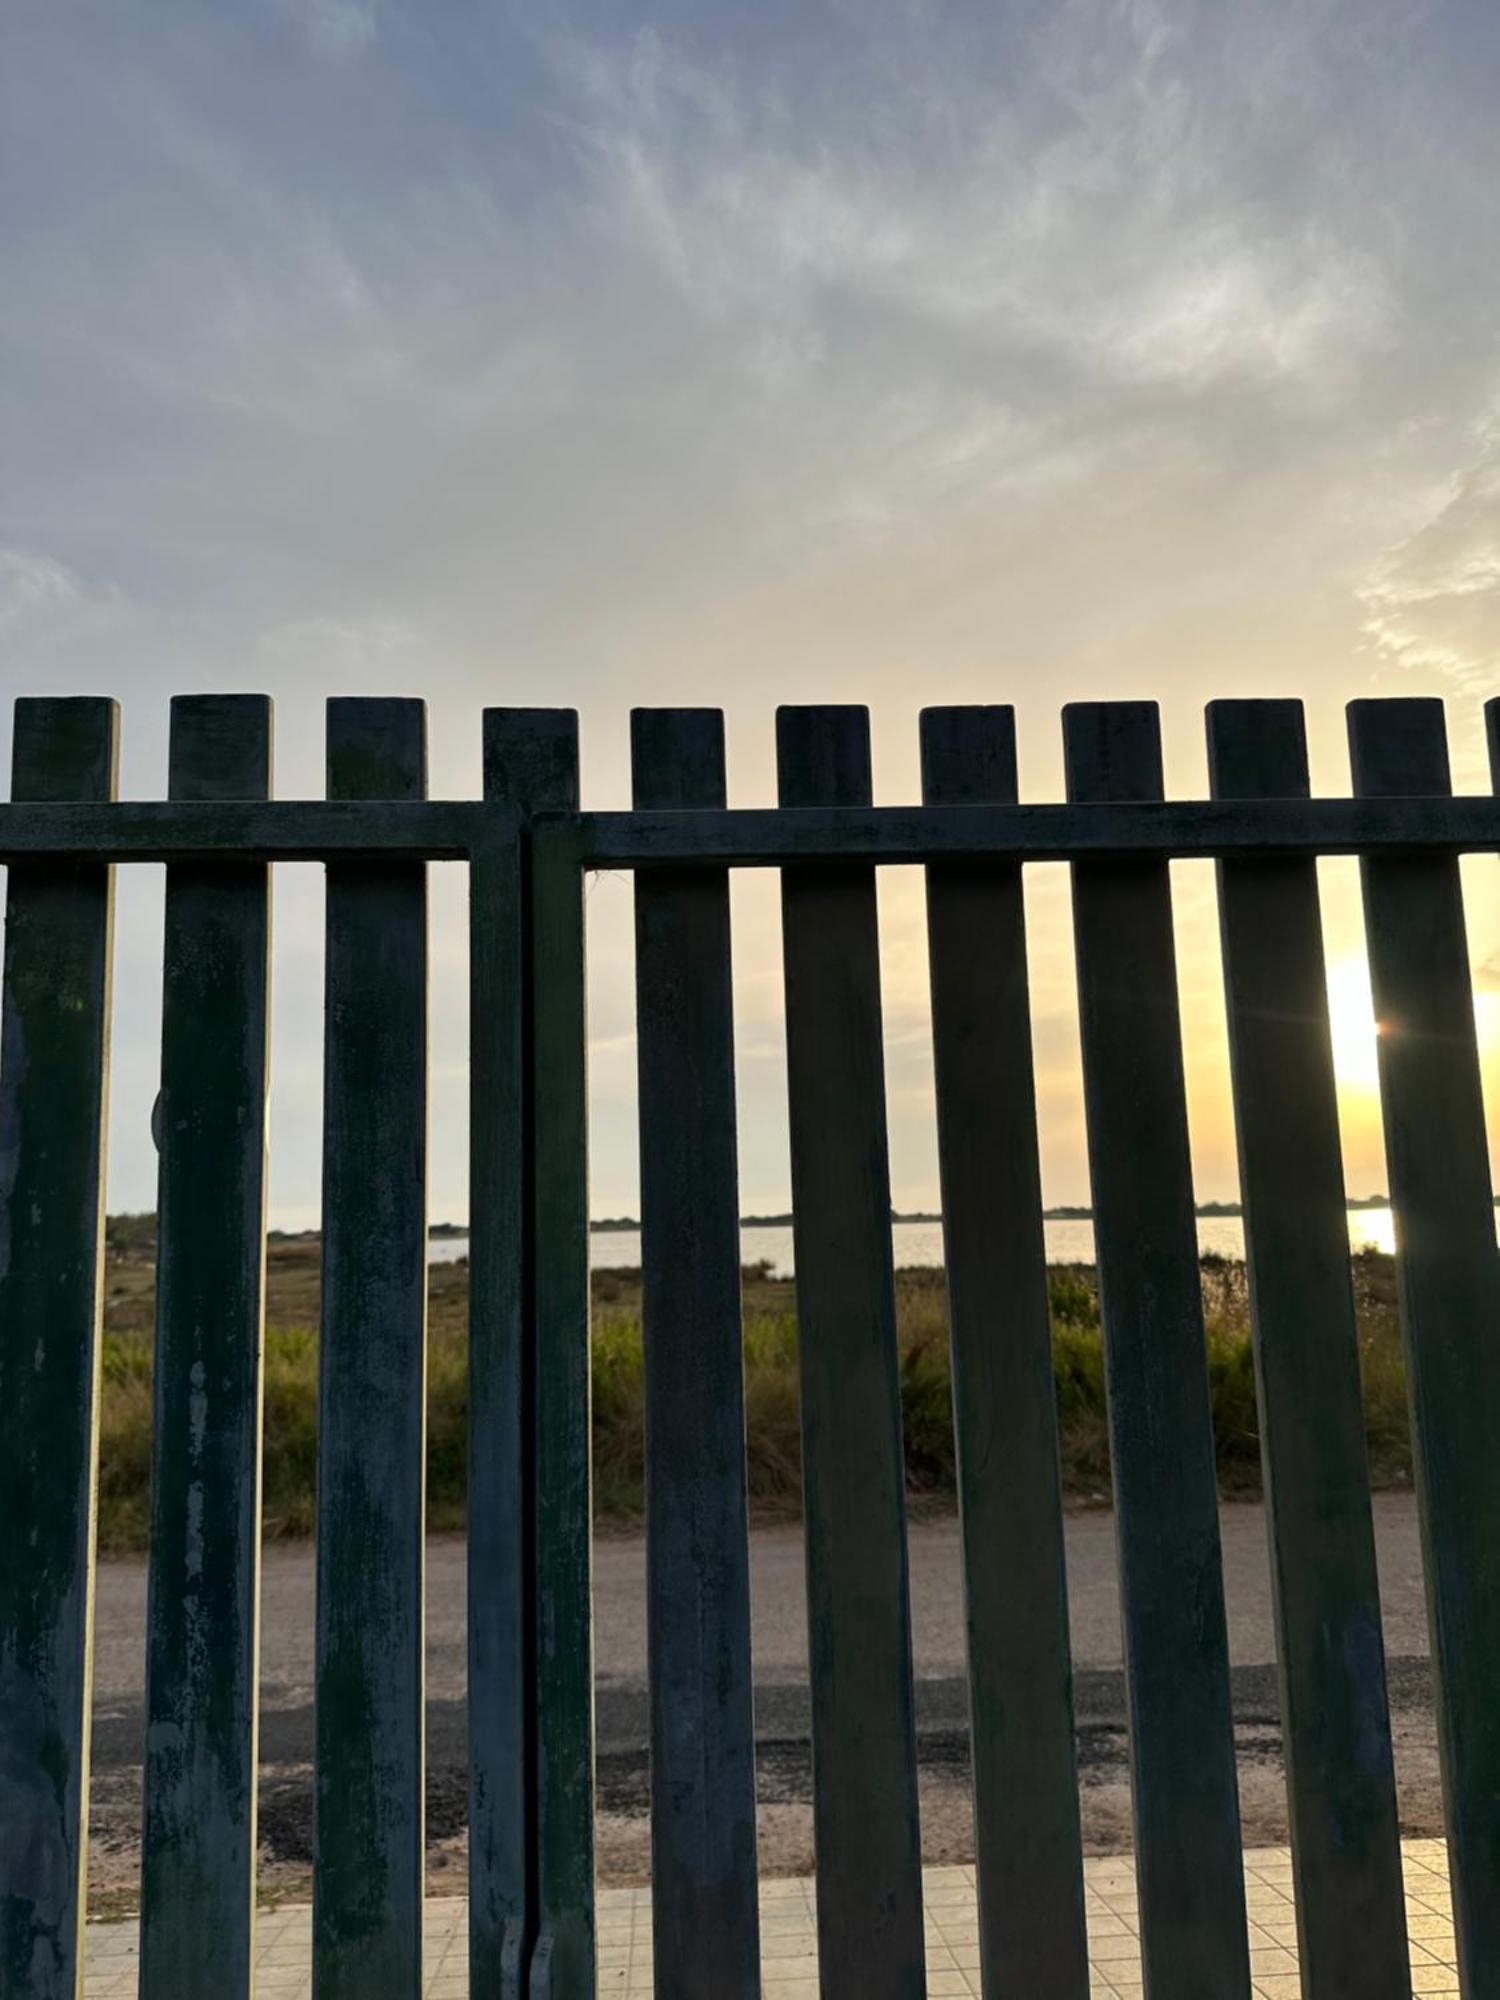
(787, 1947)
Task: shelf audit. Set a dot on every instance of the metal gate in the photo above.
(528, 848)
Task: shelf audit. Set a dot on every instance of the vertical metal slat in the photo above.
(198, 1860)
(530, 756)
(703, 1868)
(1184, 1790)
(368, 1829)
(1026, 1821)
(866, 1832)
(563, 1965)
(54, 1068)
(1448, 1278)
(1336, 1727)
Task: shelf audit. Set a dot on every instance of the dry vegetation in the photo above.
(770, 1386)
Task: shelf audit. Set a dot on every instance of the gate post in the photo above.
(54, 1072)
(530, 765)
(531, 761)
(368, 1820)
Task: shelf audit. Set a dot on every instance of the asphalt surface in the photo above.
(779, 1641)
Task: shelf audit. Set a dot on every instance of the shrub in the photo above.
(773, 1439)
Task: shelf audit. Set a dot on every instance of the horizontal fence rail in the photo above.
(754, 837)
(762, 838)
(277, 830)
(531, 1752)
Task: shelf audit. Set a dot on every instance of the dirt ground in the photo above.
(784, 1816)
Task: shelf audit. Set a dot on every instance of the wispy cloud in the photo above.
(337, 29)
(1433, 603)
(33, 587)
(370, 651)
(47, 607)
(1100, 230)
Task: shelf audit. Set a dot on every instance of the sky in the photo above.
(892, 353)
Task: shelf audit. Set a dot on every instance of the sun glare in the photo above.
(1351, 1013)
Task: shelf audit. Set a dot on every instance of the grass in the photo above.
(773, 1449)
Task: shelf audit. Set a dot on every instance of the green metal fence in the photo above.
(528, 848)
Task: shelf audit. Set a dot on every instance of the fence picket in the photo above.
(866, 1833)
(703, 1873)
(368, 1826)
(1183, 1782)
(1029, 1852)
(1448, 1279)
(198, 1845)
(54, 1072)
(528, 755)
(1336, 1727)
(563, 1965)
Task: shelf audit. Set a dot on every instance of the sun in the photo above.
(1351, 1016)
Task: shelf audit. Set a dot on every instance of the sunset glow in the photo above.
(1351, 1018)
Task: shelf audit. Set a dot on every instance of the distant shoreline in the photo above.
(624, 1225)
(131, 1228)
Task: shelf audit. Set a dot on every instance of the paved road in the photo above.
(780, 1636)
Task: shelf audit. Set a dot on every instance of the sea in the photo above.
(1069, 1240)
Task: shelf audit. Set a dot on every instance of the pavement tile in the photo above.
(789, 1937)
